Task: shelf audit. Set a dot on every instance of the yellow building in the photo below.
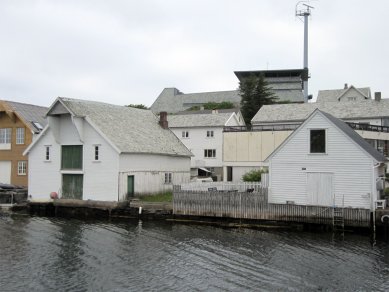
(19, 124)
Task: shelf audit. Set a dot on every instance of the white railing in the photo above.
(220, 186)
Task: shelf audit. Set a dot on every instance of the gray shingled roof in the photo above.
(355, 137)
(332, 95)
(131, 130)
(30, 113)
(277, 113)
(171, 100)
(199, 120)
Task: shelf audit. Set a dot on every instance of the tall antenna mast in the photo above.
(302, 13)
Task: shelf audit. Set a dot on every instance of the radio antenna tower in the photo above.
(302, 13)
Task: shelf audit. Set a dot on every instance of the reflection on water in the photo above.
(51, 254)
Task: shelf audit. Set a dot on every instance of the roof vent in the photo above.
(345, 86)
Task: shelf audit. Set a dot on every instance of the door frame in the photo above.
(320, 189)
(130, 193)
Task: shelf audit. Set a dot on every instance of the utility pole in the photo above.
(303, 14)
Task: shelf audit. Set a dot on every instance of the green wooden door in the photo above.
(72, 185)
(130, 186)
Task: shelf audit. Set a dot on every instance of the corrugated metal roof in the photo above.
(131, 130)
(277, 113)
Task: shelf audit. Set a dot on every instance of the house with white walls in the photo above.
(202, 133)
(98, 151)
(348, 93)
(324, 162)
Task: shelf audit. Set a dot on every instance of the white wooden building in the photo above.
(202, 134)
(325, 162)
(97, 151)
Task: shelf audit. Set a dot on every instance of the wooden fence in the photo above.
(254, 205)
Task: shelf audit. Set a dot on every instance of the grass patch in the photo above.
(162, 197)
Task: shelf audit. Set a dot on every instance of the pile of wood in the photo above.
(11, 194)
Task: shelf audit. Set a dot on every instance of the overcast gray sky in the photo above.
(126, 51)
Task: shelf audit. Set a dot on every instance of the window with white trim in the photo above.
(209, 134)
(185, 134)
(96, 152)
(168, 178)
(20, 135)
(209, 153)
(5, 136)
(22, 167)
(47, 153)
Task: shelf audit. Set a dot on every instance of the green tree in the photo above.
(255, 92)
(140, 106)
(253, 175)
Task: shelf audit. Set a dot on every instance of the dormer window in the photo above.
(318, 141)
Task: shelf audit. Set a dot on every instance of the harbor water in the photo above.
(53, 254)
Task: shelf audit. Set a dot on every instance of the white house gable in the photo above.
(343, 164)
(352, 94)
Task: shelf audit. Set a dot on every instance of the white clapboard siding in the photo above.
(351, 167)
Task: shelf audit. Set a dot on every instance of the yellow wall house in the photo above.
(19, 124)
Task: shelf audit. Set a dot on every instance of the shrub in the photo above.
(387, 192)
(253, 175)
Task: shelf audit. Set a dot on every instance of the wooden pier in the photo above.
(254, 205)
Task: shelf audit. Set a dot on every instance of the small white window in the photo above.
(22, 167)
(5, 136)
(185, 134)
(209, 134)
(168, 178)
(97, 152)
(47, 153)
(209, 153)
(352, 98)
(20, 135)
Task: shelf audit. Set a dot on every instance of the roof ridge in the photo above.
(22, 103)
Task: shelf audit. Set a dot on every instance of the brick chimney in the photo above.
(377, 96)
(345, 86)
(163, 120)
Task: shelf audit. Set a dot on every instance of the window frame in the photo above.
(47, 153)
(5, 136)
(210, 134)
(168, 178)
(22, 167)
(185, 134)
(209, 153)
(20, 136)
(311, 142)
(96, 152)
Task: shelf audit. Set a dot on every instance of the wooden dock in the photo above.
(254, 205)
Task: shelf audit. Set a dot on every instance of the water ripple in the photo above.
(50, 254)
